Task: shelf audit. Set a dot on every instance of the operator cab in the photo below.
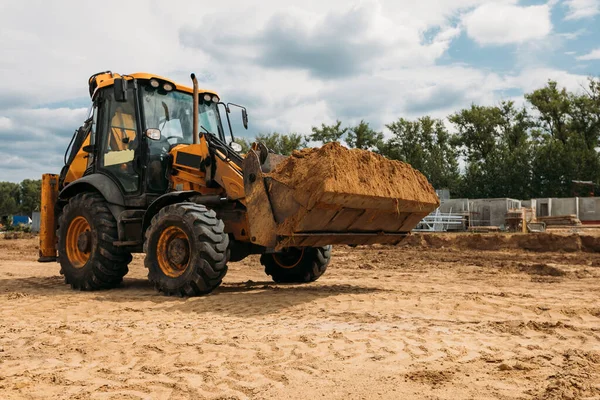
(135, 122)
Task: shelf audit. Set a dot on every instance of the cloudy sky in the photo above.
(295, 64)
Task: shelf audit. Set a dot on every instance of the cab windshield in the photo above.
(171, 112)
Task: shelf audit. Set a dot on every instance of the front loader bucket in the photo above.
(333, 195)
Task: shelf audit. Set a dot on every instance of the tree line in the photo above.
(20, 198)
(543, 149)
(547, 148)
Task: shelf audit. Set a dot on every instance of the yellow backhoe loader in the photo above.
(152, 170)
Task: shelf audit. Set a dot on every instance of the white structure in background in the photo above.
(35, 224)
(439, 222)
(460, 214)
(480, 212)
(587, 209)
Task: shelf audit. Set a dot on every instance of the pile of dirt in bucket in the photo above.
(336, 169)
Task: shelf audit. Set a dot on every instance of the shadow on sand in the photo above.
(242, 299)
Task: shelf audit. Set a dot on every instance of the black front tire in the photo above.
(202, 268)
(297, 265)
(106, 264)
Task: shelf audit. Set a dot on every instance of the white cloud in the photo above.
(501, 23)
(5, 124)
(572, 35)
(534, 78)
(592, 55)
(49, 61)
(579, 9)
(330, 45)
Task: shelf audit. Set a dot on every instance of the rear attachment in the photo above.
(47, 218)
(333, 195)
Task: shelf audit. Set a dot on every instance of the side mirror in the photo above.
(120, 89)
(236, 147)
(153, 133)
(245, 118)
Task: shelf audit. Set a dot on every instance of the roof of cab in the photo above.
(107, 79)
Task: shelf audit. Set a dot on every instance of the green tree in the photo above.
(514, 153)
(554, 107)
(566, 137)
(328, 133)
(585, 115)
(363, 137)
(282, 143)
(30, 196)
(10, 198)
(426, 145)
(477, 131)
(497, 149)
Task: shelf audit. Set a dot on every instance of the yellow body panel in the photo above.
(79, 164)
(228, 177)
(107, 79)
(47, 222)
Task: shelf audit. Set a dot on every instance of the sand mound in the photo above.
(536, 242)
(336, 169)
(541, 269)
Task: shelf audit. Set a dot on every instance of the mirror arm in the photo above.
(228, 121)
(244, 113)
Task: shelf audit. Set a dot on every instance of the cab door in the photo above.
(119, 141)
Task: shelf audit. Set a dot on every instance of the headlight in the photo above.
(207, 97)
(215, 99)
(154, 83)
(168, 87)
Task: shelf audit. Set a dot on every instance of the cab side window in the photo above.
(120, 141)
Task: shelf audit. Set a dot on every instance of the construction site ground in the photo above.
(450, 317)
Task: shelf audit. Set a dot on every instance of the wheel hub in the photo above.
(78, 241)
(178, 251)
(173, 251)
(84, 242)
(289, 258)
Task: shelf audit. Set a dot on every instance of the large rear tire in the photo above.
(86, 232)
(186, 250)
(297, 265)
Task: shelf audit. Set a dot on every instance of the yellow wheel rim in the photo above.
(288, 260)
(173, 251)
(79, 242)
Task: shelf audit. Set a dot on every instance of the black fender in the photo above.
(96, 183)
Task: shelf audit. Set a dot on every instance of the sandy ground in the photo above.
(383, 322)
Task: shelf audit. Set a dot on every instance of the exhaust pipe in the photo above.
(195, 109)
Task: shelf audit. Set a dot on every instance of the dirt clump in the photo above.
(590, 243)
(541, 269)
(547, 242)
(534, 242)
(576, 378)
(332, 168)
(481, 242)
(438, 242)
(431, 377)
